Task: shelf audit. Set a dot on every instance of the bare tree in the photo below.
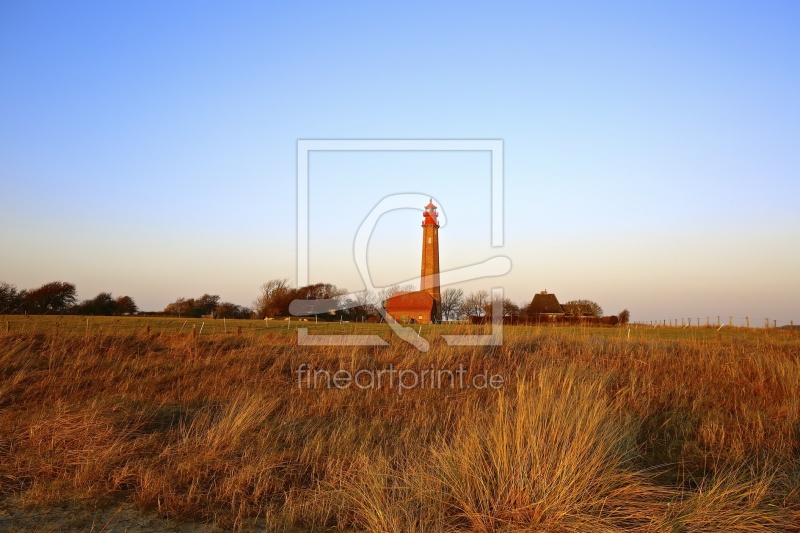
(452, 300)
(475, 303)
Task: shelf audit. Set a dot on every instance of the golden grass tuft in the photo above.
(554, 455)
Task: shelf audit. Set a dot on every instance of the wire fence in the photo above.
(718, 322)
(278, 328)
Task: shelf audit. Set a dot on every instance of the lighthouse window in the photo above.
(429, 240)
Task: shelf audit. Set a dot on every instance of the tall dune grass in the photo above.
(589, 433)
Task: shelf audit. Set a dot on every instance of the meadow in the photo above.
(594, 429)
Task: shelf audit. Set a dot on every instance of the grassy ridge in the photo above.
(592, 431)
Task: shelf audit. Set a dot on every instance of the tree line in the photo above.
(274, 298)
(206, 305)
(457, 305)
(59, 298)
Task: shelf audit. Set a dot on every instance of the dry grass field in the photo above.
(664, 430)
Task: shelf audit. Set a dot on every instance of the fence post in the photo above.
(148, 329)
(775, 324)
(238, 331)
(766, 323)
(718, 322)
(8, 326)
(708, 321)
(730, 321)
(194, 331)
(747, 319)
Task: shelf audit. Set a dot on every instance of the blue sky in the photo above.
(651, 148)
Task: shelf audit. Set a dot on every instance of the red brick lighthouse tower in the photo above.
(429, 273)
(425, 305)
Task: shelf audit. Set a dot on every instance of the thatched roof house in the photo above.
(545, 304)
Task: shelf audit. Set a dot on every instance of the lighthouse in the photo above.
(429, 273)
(425, 305)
